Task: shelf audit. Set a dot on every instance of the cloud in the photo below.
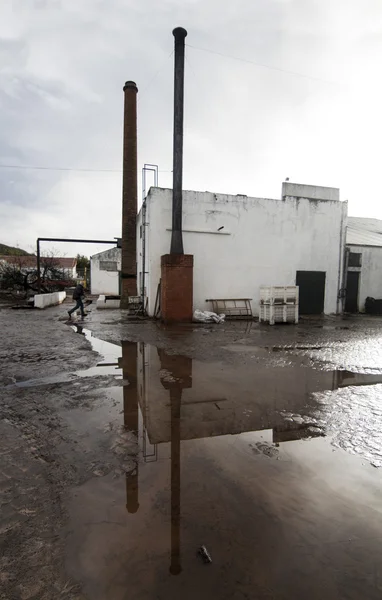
(62, 69)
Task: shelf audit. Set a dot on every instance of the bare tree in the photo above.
(21, 277)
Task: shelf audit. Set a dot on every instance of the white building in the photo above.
(364, 262)
(105, 270)
(240, 243)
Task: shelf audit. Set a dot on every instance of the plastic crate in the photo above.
(274, 313)
(279, 294)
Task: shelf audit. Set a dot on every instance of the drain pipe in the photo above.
(344, 279)
(38, 267)
(342, 265)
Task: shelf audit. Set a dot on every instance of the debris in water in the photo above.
(206, 557)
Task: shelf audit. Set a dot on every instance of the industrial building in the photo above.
(364, 262)
(240, 243)
(105, 269)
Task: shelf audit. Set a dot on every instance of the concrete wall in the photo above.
(240, 243)
(106, 304)
(105, 281)
(310, 192)
(45, 300)
(370, 282)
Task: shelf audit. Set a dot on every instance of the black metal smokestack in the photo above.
(176, 238)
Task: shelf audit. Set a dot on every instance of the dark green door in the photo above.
(351, 302)
(311, 291)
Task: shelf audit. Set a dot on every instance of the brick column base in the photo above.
(177, 287)
(128, 288)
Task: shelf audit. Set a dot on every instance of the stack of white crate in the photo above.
(279, 304)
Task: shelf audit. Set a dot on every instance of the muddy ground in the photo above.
(262, 443)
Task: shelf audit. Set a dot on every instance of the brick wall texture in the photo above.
(129, 195)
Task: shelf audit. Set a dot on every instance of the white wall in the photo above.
(102, 303)
(311, 192)
(370, 282)
(264, 242)
(101, 281)
(45, 300)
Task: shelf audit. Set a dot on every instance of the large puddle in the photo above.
(256, 464)
(282, 394)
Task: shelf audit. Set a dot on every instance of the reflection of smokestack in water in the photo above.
(129, 195)
(131, 418)
(130, 391)
(177, 376)
(132, 490)
(176, 397)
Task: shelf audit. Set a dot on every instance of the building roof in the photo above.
(364, 232)
(30, 261)
(109, 252)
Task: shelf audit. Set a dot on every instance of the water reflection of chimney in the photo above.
(176, 375)
(130, 411)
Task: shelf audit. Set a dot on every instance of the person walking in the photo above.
(78, 295)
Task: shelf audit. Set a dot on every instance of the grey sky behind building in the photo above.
(311, 112)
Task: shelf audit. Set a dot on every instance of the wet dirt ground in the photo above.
(126, 446)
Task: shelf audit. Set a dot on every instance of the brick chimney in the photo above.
(129, 195)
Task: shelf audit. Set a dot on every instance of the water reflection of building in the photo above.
(222, 400)
(169, 398)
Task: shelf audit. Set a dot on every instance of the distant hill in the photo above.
(10, 251)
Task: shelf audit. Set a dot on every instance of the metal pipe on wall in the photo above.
(343, 262)
(38, 267)
(153, 168)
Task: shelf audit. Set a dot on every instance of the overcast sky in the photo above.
(63, 65)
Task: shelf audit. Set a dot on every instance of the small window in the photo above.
(140, 231)
(355, 259)
(108, 265)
